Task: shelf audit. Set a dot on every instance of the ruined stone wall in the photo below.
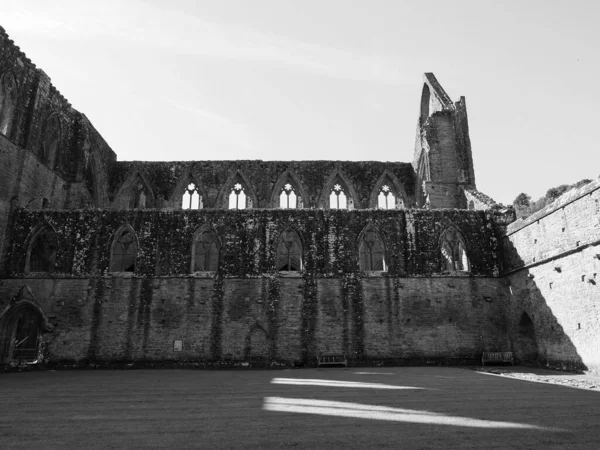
(262, 181)
(51, 155)
(442, 159)
(247, 309)
(552, 266)
(286, 319)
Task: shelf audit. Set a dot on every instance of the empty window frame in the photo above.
(205, 251)
(289, 251)
(371, 251)
(123, 251)
(42, 254)
(191, 198)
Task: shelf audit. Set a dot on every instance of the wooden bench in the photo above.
(331, 360)
(496, 357)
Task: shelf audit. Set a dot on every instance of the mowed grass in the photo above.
(308, 408)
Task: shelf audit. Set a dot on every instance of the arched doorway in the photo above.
(257, 344)
(21, 331)
(526, 345)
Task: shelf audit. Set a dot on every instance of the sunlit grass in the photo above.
(374, 412)
(335, 383)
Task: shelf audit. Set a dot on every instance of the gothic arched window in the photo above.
(51, 140)
(8, 102)
(42, 253)
(191, 198)
(453, 252)
(205, 251)
(123, 251)
(237, 197)
(371, 251)
(337, 197)
(139, 196)
(289, 251)
(288, 199)
(386, 198)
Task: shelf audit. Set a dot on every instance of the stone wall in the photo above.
(45, 167)
(287, 319)
(248, 239)
(247, 309)
(263, 181)
(552, 266)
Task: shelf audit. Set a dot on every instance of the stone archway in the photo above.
(21, 333)
(526, 343)
(258, 344)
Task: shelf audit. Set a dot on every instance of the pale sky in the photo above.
(327, 79)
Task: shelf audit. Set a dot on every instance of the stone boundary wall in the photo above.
(552, 267)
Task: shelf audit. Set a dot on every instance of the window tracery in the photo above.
(205, 251)
(191, 198)
(289, 251)
(386, 198)
(124, 251)
(337, 197)
(371, 251)
(453, 251)
(288, 199)
(237, 197)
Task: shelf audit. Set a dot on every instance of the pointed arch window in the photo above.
(23, 333)
(8, 102)
(42, 254)
(237, 197)
(371, 251)
(338, 198)
(288, 199)
(123, 251)
(139, 196)
(386, 198)
(289, 251)
(454, 252)
(205, 251)
(191, 198)
(51, 139)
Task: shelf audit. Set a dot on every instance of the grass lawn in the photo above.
(408, 407)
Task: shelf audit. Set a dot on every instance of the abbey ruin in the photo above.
(239, 261)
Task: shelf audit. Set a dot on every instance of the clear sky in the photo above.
(328, 79)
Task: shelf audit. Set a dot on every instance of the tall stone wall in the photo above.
(247, 309)
(552, 267)
(285, 319)
(52, 157)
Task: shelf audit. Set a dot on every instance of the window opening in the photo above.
(43, 252)
(51, 139)
(289, 252)
(26, 335)
(124, 252)
(206, 252)
(371, 252)
(191, 199)
(140, 196)
(8, 100)
(454, 254)
(237, 197)
(288, 198)
(386, 198)
(337, 198)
